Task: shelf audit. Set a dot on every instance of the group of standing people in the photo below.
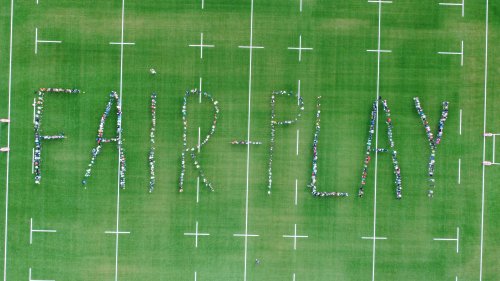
(312, 185)
(433, 142)
(113, 97)
(151, 157)
(192, 150)
(37, 127)
(369, 149)
(275, 122)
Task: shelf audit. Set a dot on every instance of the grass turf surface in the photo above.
(339, 69)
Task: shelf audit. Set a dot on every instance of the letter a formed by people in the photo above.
(373, 147)
(100, 140)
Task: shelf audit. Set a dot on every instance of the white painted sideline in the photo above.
(484, 140)
(9, 91)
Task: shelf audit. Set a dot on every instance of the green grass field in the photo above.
(338, 68)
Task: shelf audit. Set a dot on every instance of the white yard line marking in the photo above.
(298, 94)
(38, 230)
(250, 48)
(201, 46)
(298, 142)
(196, 234)
(484, 141)
(300, 48)
(34, 108)
(457, 240)
(32, 160)
(301, 6)
(380, 1)
(296, 191)
(202, 4)
(459, 168)
(43, 41)
(201, 91)
(460, 126)
(461, 53)
(245, 235)
(293, 277)
(197, 189)
(456, 4)
(117, 232)
(199, 139)
(195, 274)
(494, 146)
(295, 236)
(121, 43)
(8, 145)
(379, 51)
(29, 276)
(373, 238)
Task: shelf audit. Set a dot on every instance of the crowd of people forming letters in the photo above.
(192, 150)
(369, 149)
(151, 157)
(37, 121)
(113, 97)
(274, 123)
(433, 142)
(312, 185)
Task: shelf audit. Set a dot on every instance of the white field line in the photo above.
(196, 234)
(34, 108)
(119, 137)
(43, 41)
(32, 160)
(29, 276)
(494, 145)
(297, 142)
(201, 91)
(295, 236)
(298, 94)
(456, 4)
(8, 145)
(484, 142)
(293, 277)
(380, 1)
(199, 139)
(296, 191)
(459, 168)
(117, 232)
(300, 48)
(460, 126)
(121, 43)
(379, 51)
(251, 47)
(373, 238)
(457, 240)
(461, 53)
(201, 45)
(376, 139)
(38, 230)
(198, 189)
(248, 139)
(202, 7)
(245, 235)
(301, 12)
